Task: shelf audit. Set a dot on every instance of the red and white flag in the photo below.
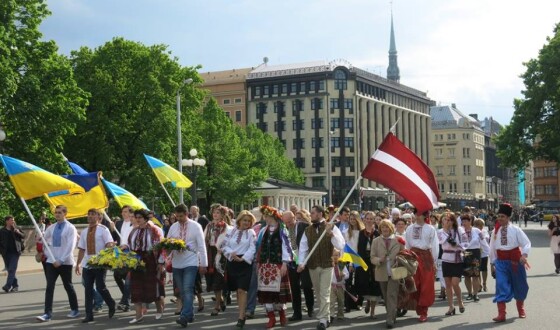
(398, 168)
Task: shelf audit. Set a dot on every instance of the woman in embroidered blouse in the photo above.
(214, 234)
(146, 286)
(554, 233)
(365, 279)
(274, 252)
(453, 241)
(239, 249)
(384, 250)
(476, 241)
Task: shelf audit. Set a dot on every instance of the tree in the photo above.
(40, 100)
(533, 132)
(131, 111)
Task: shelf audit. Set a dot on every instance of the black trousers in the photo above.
(299, 281)
(96, 276)
(65, 273)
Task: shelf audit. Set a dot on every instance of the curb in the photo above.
(23, 272)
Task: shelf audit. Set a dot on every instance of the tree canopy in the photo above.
(533, 131)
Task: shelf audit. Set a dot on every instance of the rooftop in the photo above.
(451, 117)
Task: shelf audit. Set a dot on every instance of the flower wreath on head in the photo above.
(267, 210)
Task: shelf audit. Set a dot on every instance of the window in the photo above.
(228, 114)
(466, 170)
(439, 152)
(321, 85)
(441, 187)
(550, 189)
(227, 101)
(316, 104)
(238, 100)
(451, 136)
(466, 153)
(436, 137)
(550, 171)
(266, 90)
(261, 109)
(298, 144)
(334, 103)
(349, 142)
(293, 88)
(348, 104)
(318, 182)
(238, 115)
(451, 169)
(257, 91)
(300, 162)
(297, 105)
(335, 123)
(317, 162)
(538, 172)
(317, 142)
(335, 142)
(340, 79)
(280, 126)
(284, 88)
(274, 89)
(348, 123)
(279, 107)
(466, 187)
(297, 124)
(453, 187)
(312, 86)
(466, 136)
(335, 162)
(439, 170)
(316, 123)
(451, 152)
(302, 87)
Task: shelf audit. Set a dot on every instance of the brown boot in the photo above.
(271, 320)
(521, 309)
(501, 313)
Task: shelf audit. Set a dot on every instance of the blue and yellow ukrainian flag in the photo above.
(124, 197)
(31, 181)
(78, 205)
(350, 255)
(166, 173)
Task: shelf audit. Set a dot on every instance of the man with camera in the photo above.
(554, 233)
(509, 249)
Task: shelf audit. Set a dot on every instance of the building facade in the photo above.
(457, 157)
(546, 181)
(332, 116)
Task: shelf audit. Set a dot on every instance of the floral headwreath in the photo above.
(267, 210)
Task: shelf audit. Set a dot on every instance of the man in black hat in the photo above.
(509, 249)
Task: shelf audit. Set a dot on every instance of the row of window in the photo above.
(320, 162)
(550, 171)
(546, 189)
(336, 142)
(451, 152)
(451, 169)
(294, 88)
(237, 115)
(315, 124)
(452, 187)
(236, 101)
(297, 105)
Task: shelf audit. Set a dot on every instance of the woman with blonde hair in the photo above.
(303, 215)
(351, 236)
(384, 250)
(365, 279)
(239, 249)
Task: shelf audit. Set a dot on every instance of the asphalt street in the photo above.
(18, 310)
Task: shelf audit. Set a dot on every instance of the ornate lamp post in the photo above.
(193, 164)
(179, 141)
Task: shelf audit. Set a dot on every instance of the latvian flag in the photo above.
(398, 168)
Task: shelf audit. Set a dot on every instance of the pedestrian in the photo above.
(476, 242)
(61, 238)
(320, 262)
(554, 233)
(298, 281)
(253, 286)
(421, 238)
(366, 285)
(239, 249)
(339, 276)
(203, 222)
(509, 249)
(384, 250)
(274, 253)
(122, 278)
(453, 241)
(146, 285)
(11, 247)
(93, 239)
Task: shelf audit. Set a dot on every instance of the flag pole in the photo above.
(171, 199)
(334, 217)
(109, 219)
(45, 244)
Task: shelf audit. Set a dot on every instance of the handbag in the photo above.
(268, 278)
(398, 273)
(39, 256)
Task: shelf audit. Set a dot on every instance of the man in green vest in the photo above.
(320, 262)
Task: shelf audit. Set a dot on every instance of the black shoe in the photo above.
(87, 320)
(250, 315)
(389, 326)
(182, 322)
(346, 309)
(451, 312)
(295, 318)
(240, 323)
(332, 319)
(321, 326)
(310, 312)
(14, 289)
(469, 297)
(462, 309)
(6, 289)
(475, 298)
(228, 300)
(111, 311)
(223, 306)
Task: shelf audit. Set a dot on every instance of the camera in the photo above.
(451, 241)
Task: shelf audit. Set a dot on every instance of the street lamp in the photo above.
(193, 164)
(329, 165)
(179, 142)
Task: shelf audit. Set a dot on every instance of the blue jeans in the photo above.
(97, 298)
(11, 260)
(252, 293)
(184, 280)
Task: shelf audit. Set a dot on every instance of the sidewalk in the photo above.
(26, 265)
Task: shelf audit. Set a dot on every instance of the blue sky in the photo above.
(467, 52)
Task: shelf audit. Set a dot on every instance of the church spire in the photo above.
(393, 72)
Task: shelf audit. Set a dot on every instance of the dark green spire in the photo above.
(393, 72)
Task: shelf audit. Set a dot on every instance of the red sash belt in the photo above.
(513, 255)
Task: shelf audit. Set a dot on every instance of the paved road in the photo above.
(18, 310)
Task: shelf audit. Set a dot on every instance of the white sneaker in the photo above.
(159, 316)
(43, 318)
(73, 314)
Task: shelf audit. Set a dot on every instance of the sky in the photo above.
(467, 52)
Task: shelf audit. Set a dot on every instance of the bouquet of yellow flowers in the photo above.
(170, 244)
(116, 259)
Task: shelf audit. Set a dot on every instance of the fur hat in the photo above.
(505, 209)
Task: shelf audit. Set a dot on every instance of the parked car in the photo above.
(547, 215)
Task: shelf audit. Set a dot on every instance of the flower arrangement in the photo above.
(171, 244)
(117, 260)
(267, 210)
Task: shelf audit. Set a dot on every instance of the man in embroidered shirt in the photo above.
(509, 249)
(422, 239)
(186, 264)
(93, 239)
(61, 239)
(123, 281)
(320, 262)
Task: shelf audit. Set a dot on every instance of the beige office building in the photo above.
(457, 157)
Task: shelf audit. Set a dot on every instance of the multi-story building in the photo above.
(230, 91)
(546, 181)
(457, 157)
